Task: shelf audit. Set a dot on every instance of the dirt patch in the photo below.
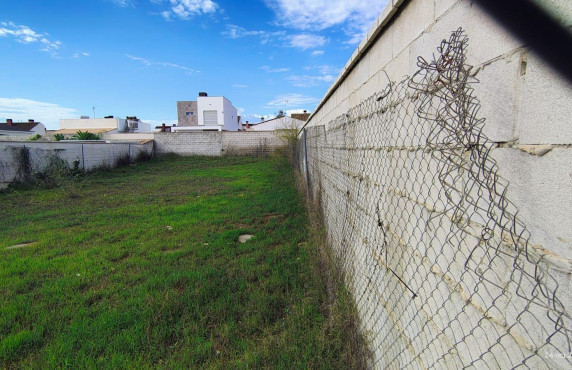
(23, 245)
(272, 216)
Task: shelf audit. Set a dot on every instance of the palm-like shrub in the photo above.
(85, 135)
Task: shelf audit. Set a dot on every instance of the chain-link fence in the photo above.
(439, 263)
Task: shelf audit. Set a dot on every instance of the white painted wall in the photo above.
(230, 116)
(143, 127)
(278, 124)
(99, 123)
(209, 103)
(226, 113)
(39, 129)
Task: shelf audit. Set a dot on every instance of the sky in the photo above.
(68, 58)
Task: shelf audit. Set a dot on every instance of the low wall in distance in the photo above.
(216, 143)
(19, 160)
(16, 138)
(129, 137)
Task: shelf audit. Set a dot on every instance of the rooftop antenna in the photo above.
(93, 108)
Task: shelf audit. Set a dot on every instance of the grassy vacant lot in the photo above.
(141, 267)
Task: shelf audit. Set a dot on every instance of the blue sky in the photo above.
(61, 58)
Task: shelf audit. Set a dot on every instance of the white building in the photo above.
(278, 123)
(101, 125)
(30, 128)
(214, 113)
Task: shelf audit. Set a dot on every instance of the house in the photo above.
(107, 125)
(30, 128)
(278, 123)
(187, 113)
(301, 116)
(207, 113)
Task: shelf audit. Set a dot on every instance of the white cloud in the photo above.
(309, 81)
(357, 16)
(240, 86)
(254, 118)
(123, 3)
(327, 69)
(292, 100)
(20, 109)
(266, 116)
(25, 35)
(166, 14)
(149, 63)
(300, 41)
(79, 55)
(268, 69)
(185, 9)
(291, 111)
(307, 41)
(326, 74)
(317, 52)
(235, 32)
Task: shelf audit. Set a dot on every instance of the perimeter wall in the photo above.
(446, 188)
(21, 160)
(216, 143)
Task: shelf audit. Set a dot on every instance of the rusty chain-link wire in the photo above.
(440, 266)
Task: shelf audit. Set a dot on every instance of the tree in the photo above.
(85, 135)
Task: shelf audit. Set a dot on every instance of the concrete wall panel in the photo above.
(411, 204)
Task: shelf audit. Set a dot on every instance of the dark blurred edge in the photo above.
(538, 30)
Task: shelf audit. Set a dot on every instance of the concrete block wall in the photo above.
(397, 227)
(15, 138)
(87, 155)
(251, 142)
(92, 155)
(189, 143)
(216, 143)
(128, 137)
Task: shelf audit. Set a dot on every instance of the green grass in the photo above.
(141, 267)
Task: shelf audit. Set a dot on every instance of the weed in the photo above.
(342, 330)
(289, 136)
(144, 269)
(122, 160)
(143, 156)
(23, 163)
(261, 148)
(58, 173)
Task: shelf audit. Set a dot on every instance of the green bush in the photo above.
(85, 135)
(35, 137)
(59, 137)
